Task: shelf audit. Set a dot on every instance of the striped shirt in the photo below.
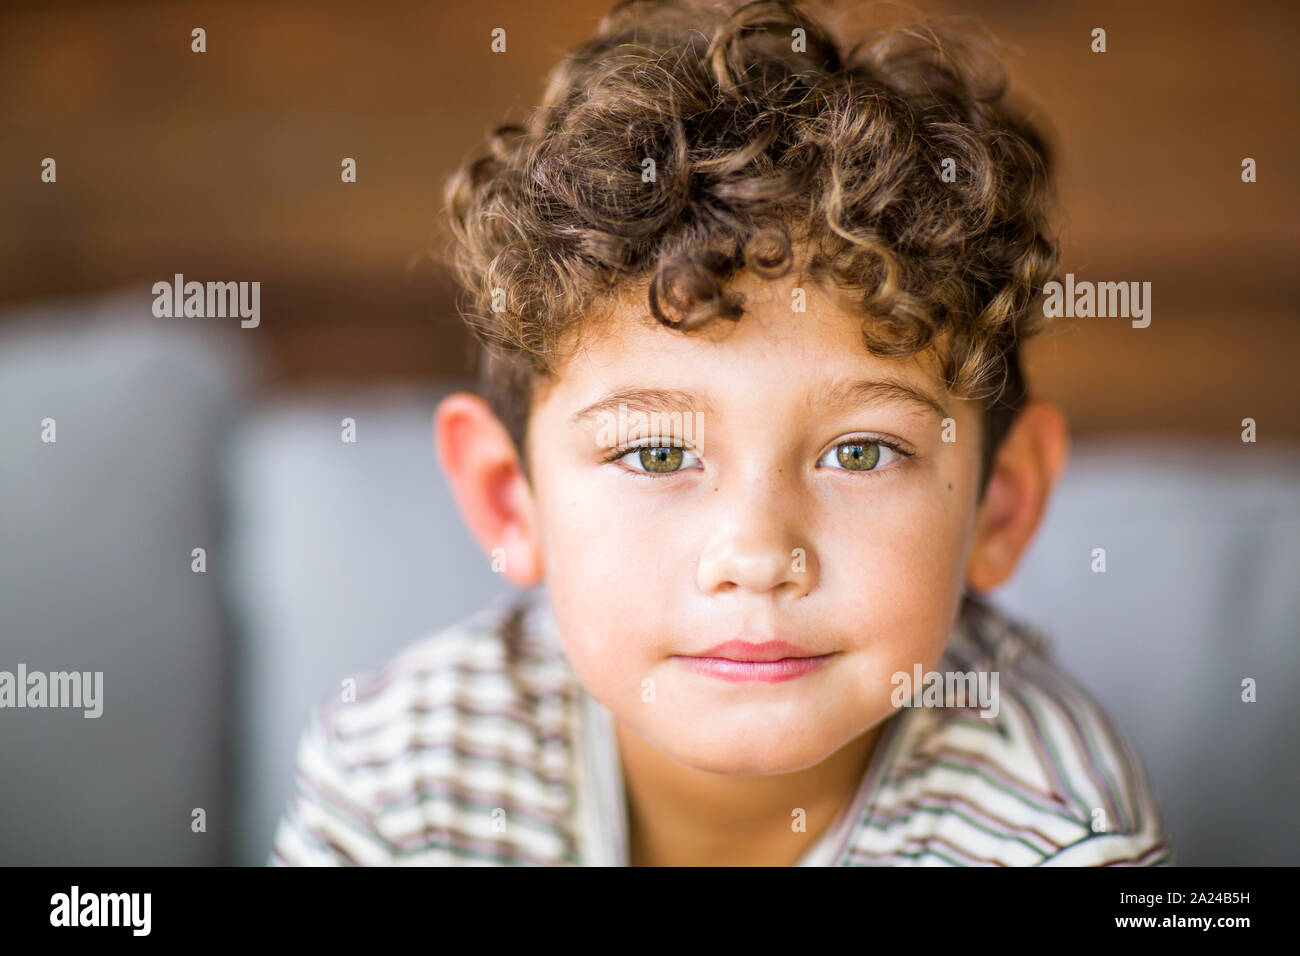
(478, 746)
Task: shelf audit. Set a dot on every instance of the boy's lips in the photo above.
(767, 651)
(769, 661)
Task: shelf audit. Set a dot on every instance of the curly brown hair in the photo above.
(760, 143)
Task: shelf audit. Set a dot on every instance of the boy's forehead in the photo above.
(791, 333)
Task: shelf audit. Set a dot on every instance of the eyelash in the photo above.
(893, 446)
(626, 450)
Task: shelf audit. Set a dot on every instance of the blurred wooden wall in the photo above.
(225, 165)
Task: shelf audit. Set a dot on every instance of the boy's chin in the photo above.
(748, 753)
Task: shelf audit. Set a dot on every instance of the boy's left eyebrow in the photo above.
(882, 392)
(666, 400)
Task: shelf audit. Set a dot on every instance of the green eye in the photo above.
(858, 456)
(661, 459)
(654, 459)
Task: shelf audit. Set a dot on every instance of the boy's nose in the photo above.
(755, 547)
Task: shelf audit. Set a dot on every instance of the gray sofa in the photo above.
(324, 558)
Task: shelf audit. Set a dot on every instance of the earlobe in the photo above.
(488, 483)
(1025, 471)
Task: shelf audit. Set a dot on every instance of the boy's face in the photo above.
(786, 524)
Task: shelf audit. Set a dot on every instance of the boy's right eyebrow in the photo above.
(666, 400)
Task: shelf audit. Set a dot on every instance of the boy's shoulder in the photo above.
(457, 751)
(1042, 778)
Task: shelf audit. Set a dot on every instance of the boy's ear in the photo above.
(1025, 470)
(488, 482)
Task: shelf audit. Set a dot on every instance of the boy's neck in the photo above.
(680, 816)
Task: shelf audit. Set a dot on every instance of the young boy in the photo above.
(754, 440)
